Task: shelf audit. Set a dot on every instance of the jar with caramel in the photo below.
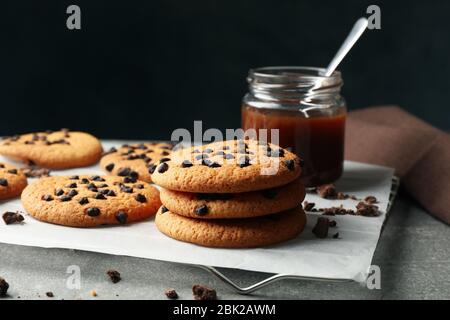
(309, 112)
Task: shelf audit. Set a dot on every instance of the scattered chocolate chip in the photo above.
(114, 276)
(47, 197)
(121, 217)
(163, 167)
(93, 212)
(336, 235)
(370, 199)
(74, 178)
(3, 182)
(171, 293)
(186, 164)
(164, 209)
(308, 206)
(59, 192)
(152, 168)
(12, 217)
(83, 201)
(4, 286)
(269, 193)
(201, 292)
(201, 210)
(327, 191)
(49, 294)
(140, 198)
(320, 230)
(111, 193)
(12, 171)
(109, 167)
(290, 164)
(333, 211)
(332, 223)
(123, 172)
(65, 198)
(72, 185)
(99, 196)
(72, 193)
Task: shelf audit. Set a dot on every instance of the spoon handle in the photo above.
(357, 30)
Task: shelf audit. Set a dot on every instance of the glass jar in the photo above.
(309, 112)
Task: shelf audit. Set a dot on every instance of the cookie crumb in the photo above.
(333, 211)
(33, 171)
(4, 286)
(114, 275)
(50, 294)
(12, 217)
(336, 235)
(202, 292)
(93, 293)
(370, 199)
(171, 293)
(342, 196)
(327, 191)
(320, 230)
(367, 209)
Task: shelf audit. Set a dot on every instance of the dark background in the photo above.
(139, 69)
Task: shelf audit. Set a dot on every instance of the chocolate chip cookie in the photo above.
(232, 166)
(234, 205)
(54, 150)
(12, 181)
(232, 233)
(88, 201)
(136, 160)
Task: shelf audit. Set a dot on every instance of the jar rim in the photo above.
(292, 73)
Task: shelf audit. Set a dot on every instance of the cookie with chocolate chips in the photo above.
(53, 150)
(136, 161)
(228, 167)
(12, 181)
(89, 201)
(233, 233)
(234, 205)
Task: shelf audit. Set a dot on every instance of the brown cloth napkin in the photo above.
(419, 153)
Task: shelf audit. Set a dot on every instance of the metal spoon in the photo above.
(357, 30)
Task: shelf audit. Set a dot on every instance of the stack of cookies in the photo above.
(236, 193)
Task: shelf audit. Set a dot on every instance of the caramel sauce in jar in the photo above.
(311, 122)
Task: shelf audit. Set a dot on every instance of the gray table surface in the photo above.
(413, 254)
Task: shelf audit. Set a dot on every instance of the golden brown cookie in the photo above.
(228, 167)
(54, 150)
(233, 233)
(135, 159)
(88, 201)
(12, 181)
(234, 205)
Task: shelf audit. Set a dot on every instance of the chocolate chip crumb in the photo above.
(140, 198)
(93, 212)
(171, 293)
(49, 294)
(12, 217)
(114, 275)
(342, 196)
(4, 286)
(201, 210)
(122, 217)
(333, 211)
(332, 223)
(201, 292)
(308, 206)
(327, 191)
(367, 209)
(320, 230)
(336, 235)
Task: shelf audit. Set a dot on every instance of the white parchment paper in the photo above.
(348, 257)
